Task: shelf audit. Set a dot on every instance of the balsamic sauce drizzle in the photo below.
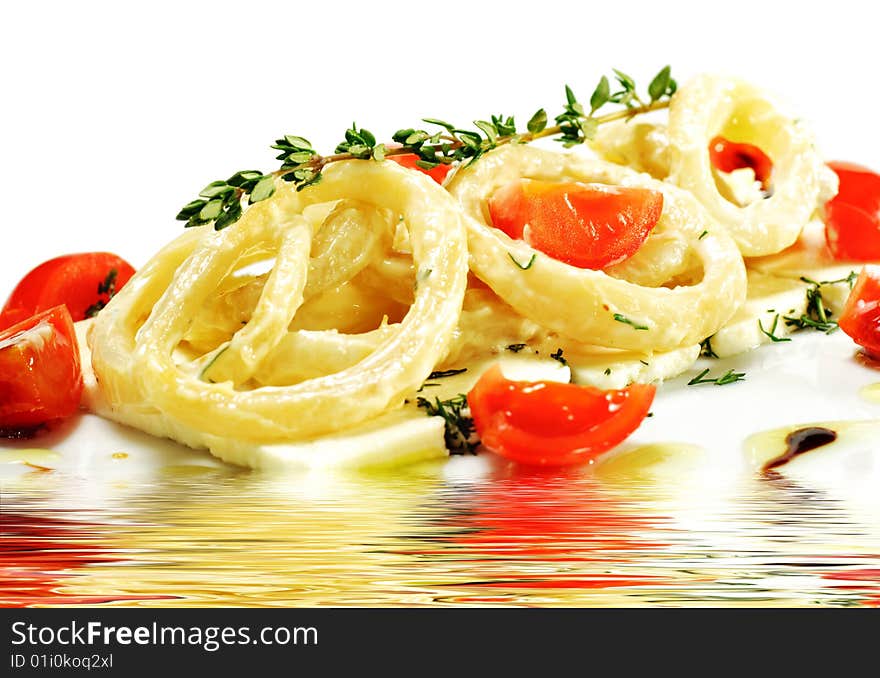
(802, 440)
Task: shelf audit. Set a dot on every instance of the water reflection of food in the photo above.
(471, 531)
(38, 555)
(532, 530)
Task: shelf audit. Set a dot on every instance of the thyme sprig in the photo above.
(221, 202)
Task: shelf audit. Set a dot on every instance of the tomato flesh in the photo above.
(585, 225)
(546, 423)
(410, 160)
(40, 376)
(727, 156)
(852, 217)
(860, 318)
(75, 280)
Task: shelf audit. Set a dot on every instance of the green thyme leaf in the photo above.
(263, 189)
(600, 95)
(660, 84)
(537, 122)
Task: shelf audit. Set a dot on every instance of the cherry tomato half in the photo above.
(551, 424)
(860, 318)
(852, 217)
(585, 225)
(40, 376)
(727, 156)
(82, 282)
(409, 161)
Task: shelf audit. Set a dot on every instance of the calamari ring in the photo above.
(592, 306)
(709, 106)
(133, 360)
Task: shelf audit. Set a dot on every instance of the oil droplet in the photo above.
(871, 392)
(120, 455)
(33, 456)
(766, 448)
(654, 459)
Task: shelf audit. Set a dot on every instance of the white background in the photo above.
(113, 116)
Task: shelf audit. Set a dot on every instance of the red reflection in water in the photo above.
(868, 580)
(539, 517)
(37, 554)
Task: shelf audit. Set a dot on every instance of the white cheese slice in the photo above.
(769, 300)
(810, 258)
(612, 368)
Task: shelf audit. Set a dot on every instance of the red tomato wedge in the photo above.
(546, 423)
(40, 377)
(409, 161)
(860, 318)
(82, 282)
(852, 217)
(585, 225)
(727, 156)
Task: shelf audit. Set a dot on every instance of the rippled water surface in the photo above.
(464, 532)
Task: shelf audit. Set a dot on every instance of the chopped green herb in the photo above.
(440, 374)
(557, 356)
(703, 235)
(607, 371)
(817, 316)
(515, 348)
(422, 276)
(728, 377)
(519, 265)
(623, 319)
(211, 364)
(459, 435)
(706, 348)
(771, 333)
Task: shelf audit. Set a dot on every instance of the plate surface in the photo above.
(111, 516)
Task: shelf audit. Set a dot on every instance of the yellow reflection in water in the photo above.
(472, 531)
